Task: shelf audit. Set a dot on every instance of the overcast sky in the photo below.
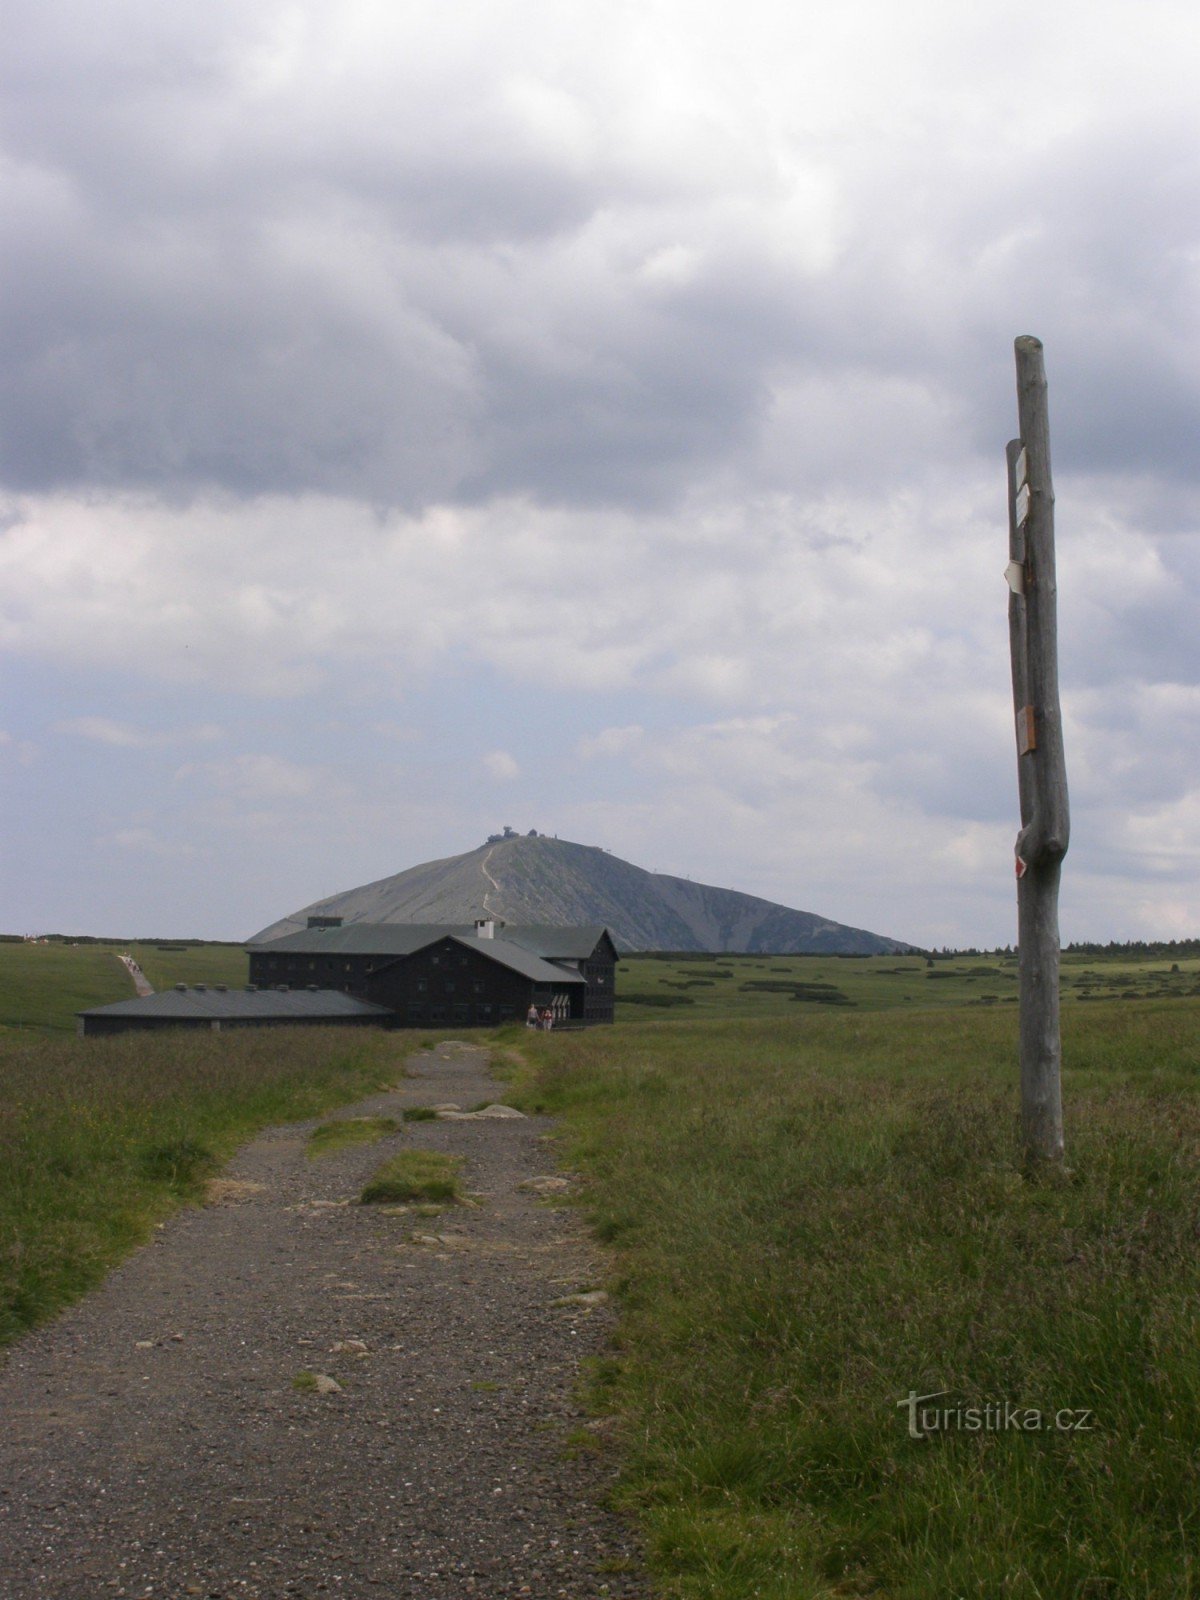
(590, 417)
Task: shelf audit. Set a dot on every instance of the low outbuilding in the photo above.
(216, 1006)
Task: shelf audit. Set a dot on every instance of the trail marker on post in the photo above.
(1041, 765)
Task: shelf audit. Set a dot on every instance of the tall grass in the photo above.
(811, 1223)
(100, 1138)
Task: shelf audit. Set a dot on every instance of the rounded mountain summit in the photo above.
(529, 878)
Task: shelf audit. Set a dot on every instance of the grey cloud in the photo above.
(1125, 623)
(145, 361)
(1101, 263)
(391, 286)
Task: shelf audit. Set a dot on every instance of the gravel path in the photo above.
(141, 983)
(155, 1443)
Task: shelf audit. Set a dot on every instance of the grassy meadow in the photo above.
(810, 1224)
(808, 1176)
(704, 986)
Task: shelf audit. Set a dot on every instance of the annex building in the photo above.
(472, 975)
(216, 1006)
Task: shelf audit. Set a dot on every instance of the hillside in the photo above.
(536, 879)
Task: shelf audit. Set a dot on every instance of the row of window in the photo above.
(417, 1014)
(275, 962)
(477, 986)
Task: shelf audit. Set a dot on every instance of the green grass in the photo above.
(165, 965)
(101, 1138)
(42, 986)
(812, 1218)
(762, 987)
(414, 1175)
(343, 1132)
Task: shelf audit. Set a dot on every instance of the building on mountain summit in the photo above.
(459, 975)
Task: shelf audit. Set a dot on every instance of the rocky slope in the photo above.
(527, 878)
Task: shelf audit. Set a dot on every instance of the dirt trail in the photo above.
(141, 984)
(155, 1443)
(486, 895)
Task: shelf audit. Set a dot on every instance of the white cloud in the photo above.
(123, 735)
(499, 764)
(102, 730)
(24, 753)
(261, 778)
(611, 742)
(145, 842)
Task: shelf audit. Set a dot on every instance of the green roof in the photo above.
(519, 959)
(402, 938)
(219, 1004)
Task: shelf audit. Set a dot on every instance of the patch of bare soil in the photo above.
(169, 1435)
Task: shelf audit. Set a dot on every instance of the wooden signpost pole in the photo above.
(1041, 766)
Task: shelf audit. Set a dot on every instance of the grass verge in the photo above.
(343, 1132)
(414, 1175)
(102, 1138)
(811, 1224)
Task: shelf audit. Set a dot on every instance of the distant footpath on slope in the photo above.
(531, 878)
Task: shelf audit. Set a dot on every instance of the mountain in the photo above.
(530, 878)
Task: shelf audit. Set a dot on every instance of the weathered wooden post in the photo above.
(1041, 766)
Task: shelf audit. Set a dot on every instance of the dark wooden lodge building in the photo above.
(462, 976)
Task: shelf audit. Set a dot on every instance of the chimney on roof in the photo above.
(485, 928)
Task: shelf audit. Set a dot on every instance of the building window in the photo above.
(422, 985)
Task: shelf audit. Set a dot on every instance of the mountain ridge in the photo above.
(533, 878)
